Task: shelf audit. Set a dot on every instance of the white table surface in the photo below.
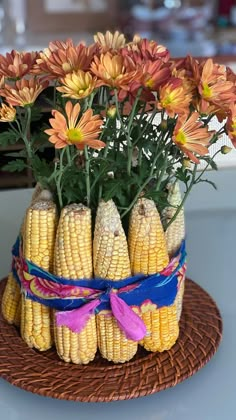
(208, 395)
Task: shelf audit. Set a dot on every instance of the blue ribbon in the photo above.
(160, 289)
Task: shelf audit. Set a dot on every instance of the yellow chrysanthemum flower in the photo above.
(77, 85)
(7, 113)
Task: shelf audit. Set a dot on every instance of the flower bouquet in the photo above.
(100, 259)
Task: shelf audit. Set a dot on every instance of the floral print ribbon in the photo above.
(76, 300)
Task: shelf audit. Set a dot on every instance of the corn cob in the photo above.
(73, 260)
(147, 248)
(11, 301)
(148, 255)
(111, 261)
(175, 233)
(38, 247)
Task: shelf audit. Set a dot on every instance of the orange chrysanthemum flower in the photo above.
(173, 98)
(24, 92)
(206, 108)
(188, 84)
(16, 64)
(2, 81)
(154, 74)
(77, 85)
(214, 86)
(72, 130)
(114, 70)
(191, 136)
(149, 50)
(7, 113)
(61, 58)
(231, 124)
(109, 41)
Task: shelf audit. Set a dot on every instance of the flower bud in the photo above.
(111, 112)
(186, 163)
(163, 125)
(225, 150)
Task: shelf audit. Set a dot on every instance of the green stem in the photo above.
(69, 160)
(142, 186)
(14, 129)
(90, 101)
(55, 94)
(148, 122)
(26, 135)
(163, 170)
(58, 179)
(100, 189)
(207, 166)
(87, 174)
(133, 110)
(193, 181)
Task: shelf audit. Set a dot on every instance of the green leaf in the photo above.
(208, 182)
(22, 153)
(8, 137)
(36, 113)
(210, 161)
(17, 165)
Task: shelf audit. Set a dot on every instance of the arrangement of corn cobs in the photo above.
(68, 247)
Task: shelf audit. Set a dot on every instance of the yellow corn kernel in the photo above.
(162, 328)
(73, 248)
(175, 233)
(147, 245)
(112, 343)
(38, 247)
(111, 261)
(11, 301)
(73, 260)
(148, 255)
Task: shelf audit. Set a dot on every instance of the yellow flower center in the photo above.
(149, 83)
(74, 135)
(167, 101)
(207, 92)
(181, 137)
(234, 124)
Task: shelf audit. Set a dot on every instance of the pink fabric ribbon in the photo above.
(77, 318)
(128, 321)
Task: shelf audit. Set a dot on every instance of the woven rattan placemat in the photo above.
(147, 373)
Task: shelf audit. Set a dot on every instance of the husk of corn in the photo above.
(38, 247)
(149, 255)
(73, 260)
(111, 261)
(175, 233)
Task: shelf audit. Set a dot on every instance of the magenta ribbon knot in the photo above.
(129, 322)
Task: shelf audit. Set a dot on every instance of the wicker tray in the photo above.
(147, 373)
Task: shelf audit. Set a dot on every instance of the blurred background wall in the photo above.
(185, 26)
